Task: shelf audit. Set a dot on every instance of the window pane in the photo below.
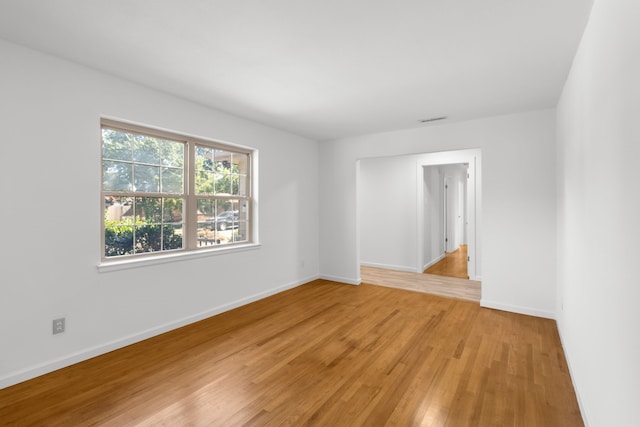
(204, 170)
(118, 240)
(222, 183)
(243, 221)
(147, 155)
(172, 181)
(172, 237)
(116, 145)
(231, 222)
(142, 224)
(148, 209)
(204, 157)
(172, 211)
(204, 182)
(240, 184)
(118, 226)
(222, 160)
(206, 209)
(148, 238)
(243, 185)
(222, 221)
(206, 232)
(156, 151)
(241, 163)
(117, 209)
(146, 149)
(146, 178)
(117, 176)
(157, 237)
(172, 154)
(221, 172)
(235, 184)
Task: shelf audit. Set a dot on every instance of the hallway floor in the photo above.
(454, 264)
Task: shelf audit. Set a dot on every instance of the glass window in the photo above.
(154, 203)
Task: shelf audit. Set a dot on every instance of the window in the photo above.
(163, 192)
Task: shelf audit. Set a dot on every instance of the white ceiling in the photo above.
(321, 68)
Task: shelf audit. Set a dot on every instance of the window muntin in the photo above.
(164, 192)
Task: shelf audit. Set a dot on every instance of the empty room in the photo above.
(237, 213)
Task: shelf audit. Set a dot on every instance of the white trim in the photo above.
(517, 309)
(390, 267)
(341, 279)
(435, 261)
(583, 411)
(62, 362)
(127, 263)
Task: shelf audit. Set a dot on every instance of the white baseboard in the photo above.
(53, 365)
(389, 267)
(567, 357)
(341, 279)
(430, 263)
(518, 309)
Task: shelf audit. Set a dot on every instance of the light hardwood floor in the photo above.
(322, 354)
(428, 283)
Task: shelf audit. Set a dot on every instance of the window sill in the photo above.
(108, 266)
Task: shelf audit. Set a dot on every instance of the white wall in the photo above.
(599, 209)
(518, 193)
(387, 213)
(50, 181)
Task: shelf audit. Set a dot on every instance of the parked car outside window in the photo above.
(227, 219)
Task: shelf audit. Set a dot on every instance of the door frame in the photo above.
(474, 203)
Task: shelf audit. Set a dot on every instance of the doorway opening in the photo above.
(395, 240)
(444, 227)
(445, 220)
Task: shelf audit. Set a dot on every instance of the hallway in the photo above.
(454, 264)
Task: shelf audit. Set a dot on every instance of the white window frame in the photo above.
(191, 247)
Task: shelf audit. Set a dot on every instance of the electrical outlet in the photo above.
(58, 325)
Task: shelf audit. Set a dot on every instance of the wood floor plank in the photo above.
(320, 354)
